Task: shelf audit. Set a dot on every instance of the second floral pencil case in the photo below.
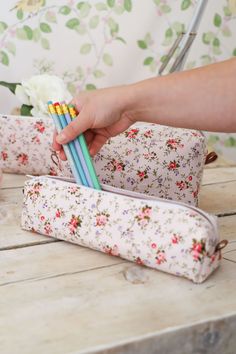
(161, 234)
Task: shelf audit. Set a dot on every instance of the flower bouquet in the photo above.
(156, 160)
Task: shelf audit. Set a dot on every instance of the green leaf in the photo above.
(71, 88)
(85, 48)
(10, 86)
(206, 59)
(36, 34)
(185, 4)
(25, 110)
(107, 59)
(207, 37)
(11, 47)
(142, 44)
(64, 10)
(80, 4)
(165, 8)
(90, 87)
(94, 21)
(148, 60)
(128, 5)
(216, 42)
(119, 9)
(72, 23)
(120, 39)
(19, 14)
(28, 31)
(234, 52)
(45, 27)
(153, 66)
(217, 50)
(45, 43)
(217, 20)
(4, 59)
(164, 58)
(114, 27)
(178, 27)
(227, 11)
(98, 73)
(169, 33)
(212, 139)
(110, 3)
(84, 9)
(3, 27)
(101, 6)
(230, 142)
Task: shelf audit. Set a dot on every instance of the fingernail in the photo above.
(61, 138)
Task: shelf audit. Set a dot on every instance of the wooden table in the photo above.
(56, 297)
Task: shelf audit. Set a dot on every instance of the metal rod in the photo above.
(171, 53)
(193, 27)
(184, 41)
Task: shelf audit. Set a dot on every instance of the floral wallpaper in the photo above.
(93, 44)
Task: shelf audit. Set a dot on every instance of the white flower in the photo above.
(40, 89)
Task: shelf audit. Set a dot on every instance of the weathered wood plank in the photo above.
(11, 196)
(49, 260)
(219, 198)
(13, 180)
(221, 162)
(76, 312)
(227, 227)
(219, 175)
(11, 234)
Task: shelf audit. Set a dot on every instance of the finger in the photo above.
(55, 145)
(96, 144)
(75, 128)
(62, 155)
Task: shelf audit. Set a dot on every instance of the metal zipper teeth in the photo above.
(137, 195)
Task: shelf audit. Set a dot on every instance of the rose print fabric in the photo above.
(168, 236)
(156, 160)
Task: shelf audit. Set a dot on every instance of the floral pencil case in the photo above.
(169, 236)
(156, 160)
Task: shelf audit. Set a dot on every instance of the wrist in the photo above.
(138, 101)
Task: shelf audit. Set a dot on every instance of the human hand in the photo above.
(102, 114)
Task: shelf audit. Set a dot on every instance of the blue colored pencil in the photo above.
(59, 128)
(71, 145)
(78, 147)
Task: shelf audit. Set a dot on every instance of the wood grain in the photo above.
(61, 298)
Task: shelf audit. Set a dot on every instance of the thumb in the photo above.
(75, 128)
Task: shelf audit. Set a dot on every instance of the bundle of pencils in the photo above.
(76, 151)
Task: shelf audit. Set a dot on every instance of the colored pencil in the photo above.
(78, 147)
(59, 128)
(85, 151)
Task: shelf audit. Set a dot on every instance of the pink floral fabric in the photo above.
(156, 160)
(26, 146)
(164, 235)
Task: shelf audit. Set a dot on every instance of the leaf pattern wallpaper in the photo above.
(94, 44)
